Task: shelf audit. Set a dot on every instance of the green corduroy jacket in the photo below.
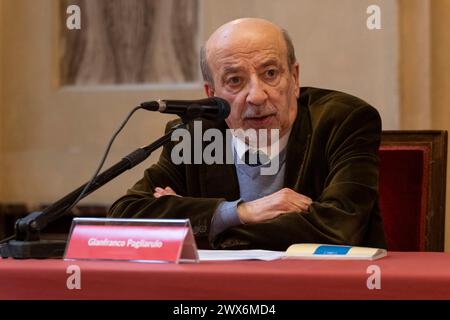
(332, 157)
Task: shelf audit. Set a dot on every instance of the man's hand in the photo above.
(269, 207)
(167, 191)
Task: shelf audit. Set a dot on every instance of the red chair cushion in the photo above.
(403, 195)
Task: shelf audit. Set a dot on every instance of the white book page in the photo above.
(231, 255)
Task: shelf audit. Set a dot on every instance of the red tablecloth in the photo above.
(404, 275)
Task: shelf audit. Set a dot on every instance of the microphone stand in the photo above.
(27, 243)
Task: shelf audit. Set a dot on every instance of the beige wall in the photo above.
(2, 183)
(56, 136)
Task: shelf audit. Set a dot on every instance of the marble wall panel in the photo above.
(130, 42)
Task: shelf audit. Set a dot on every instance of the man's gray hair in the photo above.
(206, 71)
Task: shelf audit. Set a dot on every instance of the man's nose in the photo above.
(257, 94)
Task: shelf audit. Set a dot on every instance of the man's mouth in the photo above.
(260, 120)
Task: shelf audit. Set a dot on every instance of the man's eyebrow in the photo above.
(270, 62)
(231, 69)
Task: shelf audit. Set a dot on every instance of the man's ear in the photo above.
(208, 90)
(296, 77)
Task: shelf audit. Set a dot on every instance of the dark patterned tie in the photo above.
(255, 159)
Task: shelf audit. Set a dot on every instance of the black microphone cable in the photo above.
(225, 110)
(105, 155)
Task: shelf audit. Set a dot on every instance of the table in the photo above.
(404, 275)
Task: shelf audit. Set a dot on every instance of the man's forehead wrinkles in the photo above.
(239, 58)
(234, 66)
(226, 51)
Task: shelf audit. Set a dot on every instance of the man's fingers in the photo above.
(304, 198)
(167, 191)
(302, 202)
(300, 197)
(298, 205)
(292, 201)
(159, 192)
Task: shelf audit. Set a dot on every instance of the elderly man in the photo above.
(325, 189)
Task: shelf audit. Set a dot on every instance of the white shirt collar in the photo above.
(241, 147)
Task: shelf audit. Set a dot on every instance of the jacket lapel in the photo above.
(220, 180)
(298, 147)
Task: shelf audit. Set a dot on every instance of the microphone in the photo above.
(211, 108)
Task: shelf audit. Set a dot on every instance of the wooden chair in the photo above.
(412, 189)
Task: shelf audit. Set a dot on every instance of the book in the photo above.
(332, 252)
(296, 251)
